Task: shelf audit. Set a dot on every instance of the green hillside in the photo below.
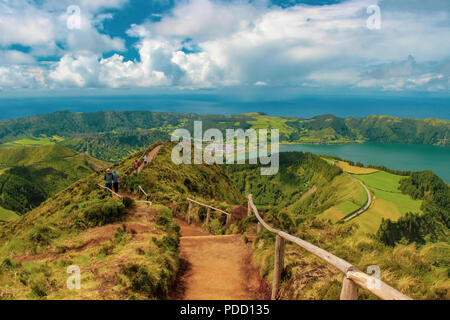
(309, 196)
(31, 174)
(7, 215)
(389, 203)
(112, 135)
(126, 250)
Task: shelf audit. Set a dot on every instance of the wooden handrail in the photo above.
(207, 213)
(142, 190)
(146, 196)
(116, 194)
(207, 206)
(353, 276)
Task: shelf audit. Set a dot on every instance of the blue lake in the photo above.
(394, 156)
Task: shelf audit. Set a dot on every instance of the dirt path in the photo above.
(151, 155)
(216, 267)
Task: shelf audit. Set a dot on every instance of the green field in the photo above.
(33, 141)
(7, 215)
(389, 201)
(347, 195)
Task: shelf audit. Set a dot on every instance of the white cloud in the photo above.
(14, 57)
(206, 43)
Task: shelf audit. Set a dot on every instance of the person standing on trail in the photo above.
(145, 160)
(136, 166)
(108, 179)
(116, 180)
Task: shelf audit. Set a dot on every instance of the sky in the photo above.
(249, 49)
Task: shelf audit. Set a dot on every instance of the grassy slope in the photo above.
(390, 202)
(115, 264)
(348, 197)
(7, 215)
(50, 168)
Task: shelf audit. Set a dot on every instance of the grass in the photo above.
(348, 197)
(419, 272)
(265, 122)
(33, 141)
(134, 258)
(389, 202)
(7, 215)
(353, 169)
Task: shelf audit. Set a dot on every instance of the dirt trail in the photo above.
(216, 267)
(151, 155)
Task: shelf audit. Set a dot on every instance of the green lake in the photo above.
(394, 156)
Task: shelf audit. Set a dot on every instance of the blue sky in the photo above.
(250, 49)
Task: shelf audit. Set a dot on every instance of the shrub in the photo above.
(8, 264)
(41, 235)
(102, 213)
(39, 288)
(106, 249)
(120, 236)
(215, 227)
(128, 202)
(140, 280)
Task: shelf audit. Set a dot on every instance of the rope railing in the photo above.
(352, 279)
(208, 212)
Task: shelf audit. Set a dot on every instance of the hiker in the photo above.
(136, 166)
(108, 179)
(145, 160)
(116, 180)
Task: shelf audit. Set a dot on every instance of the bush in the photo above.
(39, 288)
(41, 235)
(120, 236)
(215, 227)
(140, 280)
(100, 214)
(128, 202)
(106, 249)
(8, 264)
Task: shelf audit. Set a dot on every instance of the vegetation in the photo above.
(433, 224)
(111, 135)
(33, 173)
(7, 215)
(389, 203)
(125, 249)
(419, 269)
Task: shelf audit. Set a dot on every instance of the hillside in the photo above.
(309, 197)
(31, 174)
(112, 135)
(125, 249)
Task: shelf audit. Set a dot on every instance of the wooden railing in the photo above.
(120, 196)
(208, 212)
(352, 276)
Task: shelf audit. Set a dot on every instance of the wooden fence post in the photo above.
(189, 212)
(228, 219)
(349, 290)
(249, 210)
(208, 213)
(279, 266)
(258, 227)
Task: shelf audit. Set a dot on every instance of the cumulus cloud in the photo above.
(216, 43)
